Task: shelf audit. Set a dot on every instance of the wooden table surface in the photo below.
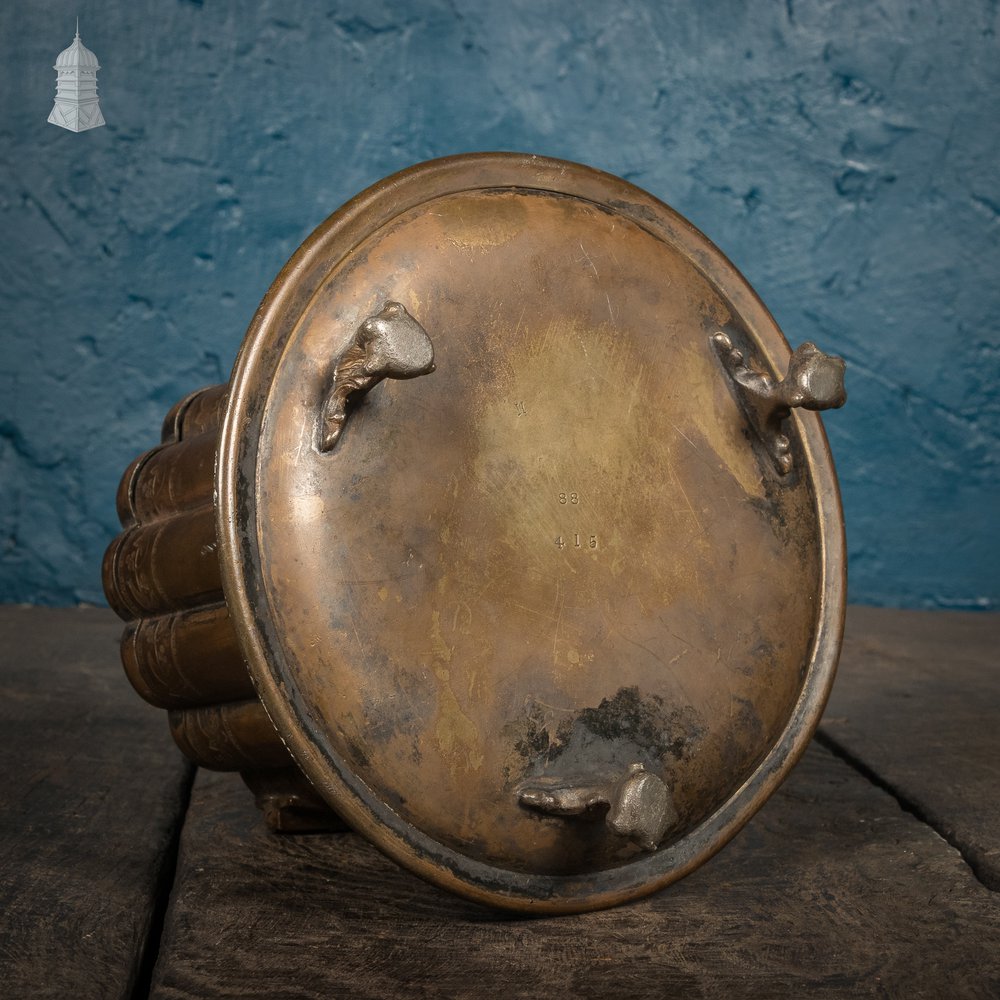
(874, 871)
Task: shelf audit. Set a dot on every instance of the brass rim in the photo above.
(236, 480)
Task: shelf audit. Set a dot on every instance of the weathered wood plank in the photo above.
(917, 702)
(831, 891)
(91, 796)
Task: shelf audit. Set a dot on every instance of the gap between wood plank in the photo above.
(164, 888)
(907, 804)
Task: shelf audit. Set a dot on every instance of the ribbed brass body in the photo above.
(179, 647)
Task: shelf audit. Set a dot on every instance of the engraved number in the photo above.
(579, 541)
(573, 498)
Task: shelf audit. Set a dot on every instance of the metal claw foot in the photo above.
(389, 344)
(639, 805)
(815, 381)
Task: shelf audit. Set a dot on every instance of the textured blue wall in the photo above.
(845, 155)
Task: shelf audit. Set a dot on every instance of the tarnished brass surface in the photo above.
(570, 558)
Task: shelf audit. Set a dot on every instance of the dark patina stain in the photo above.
(532, 738)
(644, 721)
(629, 726)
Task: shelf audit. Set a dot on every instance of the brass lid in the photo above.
(551, 611)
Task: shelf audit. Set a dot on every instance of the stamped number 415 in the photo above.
(579, 542)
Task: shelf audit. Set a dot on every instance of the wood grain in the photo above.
(831, 891)
(917, 704)
(91, 796)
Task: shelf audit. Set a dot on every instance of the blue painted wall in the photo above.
(846, 155)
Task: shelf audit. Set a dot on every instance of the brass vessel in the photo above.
(514, 540)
